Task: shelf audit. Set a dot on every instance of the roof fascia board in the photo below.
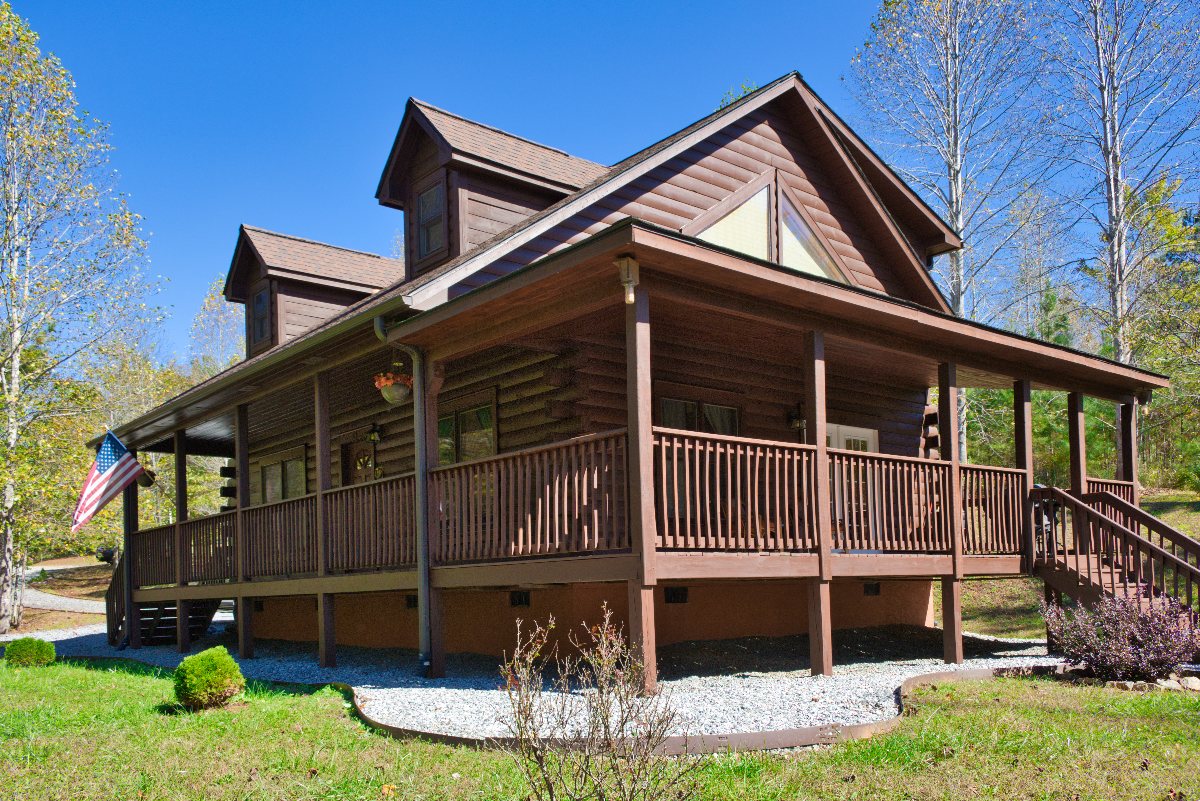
(437, 290)
(413, 115)
(460, 158)
(308, 278)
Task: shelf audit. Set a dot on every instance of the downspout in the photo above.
(421, 479)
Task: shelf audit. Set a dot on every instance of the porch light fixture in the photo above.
(795, 419)
(627, 266)
(373, 433)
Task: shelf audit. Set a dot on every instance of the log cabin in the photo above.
(694, 386)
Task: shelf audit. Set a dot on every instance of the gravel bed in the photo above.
(750, 684)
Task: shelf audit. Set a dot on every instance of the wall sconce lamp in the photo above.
(373, 433)
(628, 268)
(795, 419)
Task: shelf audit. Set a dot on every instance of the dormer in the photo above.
(460, 183)
(290, 285)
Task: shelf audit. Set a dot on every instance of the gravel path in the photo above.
(36, 599)
(752, 684)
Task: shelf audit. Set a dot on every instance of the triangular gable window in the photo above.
(799, 247)
(746, 229)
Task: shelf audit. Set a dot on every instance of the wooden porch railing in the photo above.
(114, 602)
(1122, 489)
(281, 538)
(209, 548)
(722, 493)
(895, 504)
(565, 498)
(993, 509)
(153, 553)
(372, 526)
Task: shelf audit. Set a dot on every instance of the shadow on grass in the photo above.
(255, 688)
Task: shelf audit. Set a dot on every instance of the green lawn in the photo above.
(1180, 508)
(80, 732)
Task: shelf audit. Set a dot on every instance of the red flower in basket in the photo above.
(389, 379)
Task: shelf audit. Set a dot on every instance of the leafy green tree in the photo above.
(70, 255)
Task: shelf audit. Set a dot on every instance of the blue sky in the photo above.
(280, 114)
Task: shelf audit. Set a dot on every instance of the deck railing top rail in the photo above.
(887, 457)
(536, 449)
(766, 443)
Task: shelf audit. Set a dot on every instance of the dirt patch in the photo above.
(35, 620)
(79, 582)
(65, 561)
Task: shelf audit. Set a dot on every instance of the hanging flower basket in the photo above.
(394, 387)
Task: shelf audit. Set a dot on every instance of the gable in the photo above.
(779, 144)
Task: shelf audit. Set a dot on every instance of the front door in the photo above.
(358, 463)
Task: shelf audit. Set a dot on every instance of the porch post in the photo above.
(820, 620)
(129, 523)
(1023, 459)
(948, 448)
(1076, 433)
(429, 598)
(326, 635)
(182, 629)
(643, 525)
(1127, 467)
(245, 606)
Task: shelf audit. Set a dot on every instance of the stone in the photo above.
(1190, 683)
(1169, 684)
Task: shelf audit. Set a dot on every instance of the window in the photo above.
(852, 438)
(466, 434)
(284, 476)
(746, 229)
(799, 247)
(750, 228)
(431, 222)
(698, 416)
(260, 320)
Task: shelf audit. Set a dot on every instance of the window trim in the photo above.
(300, 452)
(419, 263)
(471, 400)
(784, 190)
(701, 396)
(253, 344)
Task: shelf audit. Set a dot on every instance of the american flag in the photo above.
(115, 469)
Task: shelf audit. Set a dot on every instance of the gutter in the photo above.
(421, 489)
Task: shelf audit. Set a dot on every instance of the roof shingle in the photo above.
(291, 253)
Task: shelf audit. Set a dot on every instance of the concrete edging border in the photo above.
(738, 741)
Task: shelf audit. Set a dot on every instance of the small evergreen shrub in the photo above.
(208, 679)
(29, 652)
(1120, 640)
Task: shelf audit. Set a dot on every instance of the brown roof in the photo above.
(306, 257)
(503, 148)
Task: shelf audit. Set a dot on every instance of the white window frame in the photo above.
(838, 434)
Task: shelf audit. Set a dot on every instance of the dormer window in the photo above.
(260, 320)
(788, 238)
(431, 221)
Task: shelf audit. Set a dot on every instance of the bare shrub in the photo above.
(1124, 640)
(581, 726)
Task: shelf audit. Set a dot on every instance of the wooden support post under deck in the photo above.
(324, 480)
(820, 626)
(1127, 467)
(1023, 459)
(245, 627)
(642, 633)
(129, 522)
(182, 629)
(430, 598)
(952, 641)
(326, 636)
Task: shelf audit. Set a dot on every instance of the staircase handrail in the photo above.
(1160, 527)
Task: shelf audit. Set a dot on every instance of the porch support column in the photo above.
(1127, 466)
(429, 598)
(241, 450)
(129, 523)
(324, 481)
(1023, 459)
(1076, 433)
(948, 447)
(182, 628)
(820, 619)
(326, 636)
(642, 521)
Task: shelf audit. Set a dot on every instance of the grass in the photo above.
(110, 731)
(88, 582)
(999, 607)
(1179, 508)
